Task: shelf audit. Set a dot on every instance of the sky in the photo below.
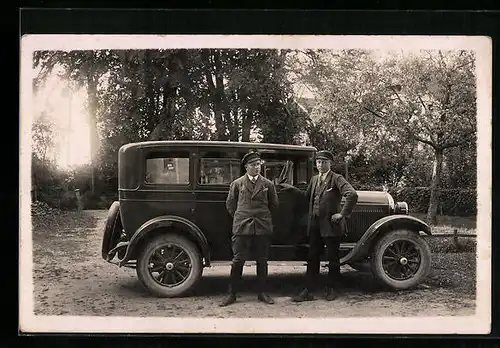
(69, 115)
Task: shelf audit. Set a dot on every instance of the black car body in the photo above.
(171, 220)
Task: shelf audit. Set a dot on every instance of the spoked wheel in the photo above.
(169, 266)
(401, 259)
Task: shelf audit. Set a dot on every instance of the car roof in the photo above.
(227, 144)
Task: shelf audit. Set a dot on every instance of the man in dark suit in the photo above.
(252, 200)
(326, 223)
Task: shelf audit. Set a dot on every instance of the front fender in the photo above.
(391, 222)
(168, 221)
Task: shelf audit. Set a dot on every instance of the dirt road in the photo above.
(71, 278)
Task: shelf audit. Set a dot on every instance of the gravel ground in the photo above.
(71, 278)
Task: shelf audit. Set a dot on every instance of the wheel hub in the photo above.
(401, 260)
(169, 266)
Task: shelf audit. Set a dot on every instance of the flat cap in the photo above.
(324, 154)
(250, 157)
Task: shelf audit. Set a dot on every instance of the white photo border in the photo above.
(480, 323)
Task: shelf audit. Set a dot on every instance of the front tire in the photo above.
(401, 259)
(169, 266)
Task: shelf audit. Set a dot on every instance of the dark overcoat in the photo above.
(252, 210)
(335, 187)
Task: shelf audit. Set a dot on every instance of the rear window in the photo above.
(167, 168)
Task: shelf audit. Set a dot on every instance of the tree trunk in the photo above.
(436, 178)
(247, 125)
(236, 120)
(94, 137)
(149, 84)
(221, 96)
(215, 96)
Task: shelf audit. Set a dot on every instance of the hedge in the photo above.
(453, 202)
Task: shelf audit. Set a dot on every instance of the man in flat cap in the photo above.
(326, 223)
(252, 200)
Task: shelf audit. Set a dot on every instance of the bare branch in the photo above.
(462, 65)
(373, 112)
(422, 140)
(422, 102)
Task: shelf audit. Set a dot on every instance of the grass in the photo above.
(447, 224)
(467, 222)
(63, 221)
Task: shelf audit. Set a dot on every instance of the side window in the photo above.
(218, 171)
(302, 172)
(167, 168)
(274, 170)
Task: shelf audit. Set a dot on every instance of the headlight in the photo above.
(402, 208)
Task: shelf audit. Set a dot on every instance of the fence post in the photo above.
(79, 202)
(456, 244)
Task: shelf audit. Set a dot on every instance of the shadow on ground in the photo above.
(287, 284)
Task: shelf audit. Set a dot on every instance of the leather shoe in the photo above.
(265, 298)
(229, 299)
(304, 295)
(331, 294)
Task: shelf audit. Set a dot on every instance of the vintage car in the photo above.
(170, 220)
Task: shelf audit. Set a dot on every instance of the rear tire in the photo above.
(169, 266)
(401, 259)
(112, 230)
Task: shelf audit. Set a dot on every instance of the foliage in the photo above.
(390, 122)
(456, 202)
(385, 107)
(51, 185)
(43, 131)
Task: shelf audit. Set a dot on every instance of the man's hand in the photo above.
(336, 218)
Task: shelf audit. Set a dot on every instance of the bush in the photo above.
(97, 200)
(57, 196)
(68, 201)
(50, 185)
(455, 202)
(452, 202)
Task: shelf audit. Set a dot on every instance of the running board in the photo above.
(344, 246)
(129, 264)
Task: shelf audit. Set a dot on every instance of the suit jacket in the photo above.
(252, 210)
(331, 193)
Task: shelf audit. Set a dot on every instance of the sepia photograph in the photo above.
(255, 184)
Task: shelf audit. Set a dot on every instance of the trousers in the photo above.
(316, 245)
(243, 248)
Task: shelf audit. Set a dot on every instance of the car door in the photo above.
(287, 224)
(215, 170)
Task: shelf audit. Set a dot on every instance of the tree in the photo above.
(432, 99)
(43, 130)
(205, 94)
(426, 98)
